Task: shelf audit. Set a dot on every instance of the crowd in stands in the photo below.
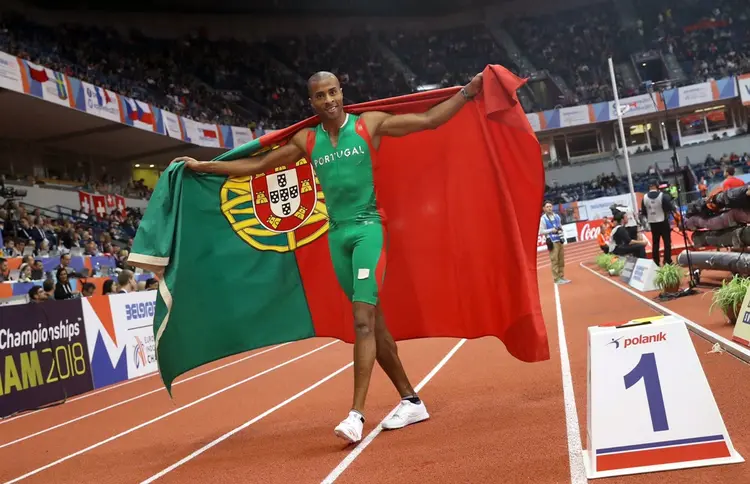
(262, 84)
(709, 172)
(34, 236)
(711, 38)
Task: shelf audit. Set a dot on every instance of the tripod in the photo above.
(676, 167)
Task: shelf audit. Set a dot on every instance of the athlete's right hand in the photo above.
(190, 163)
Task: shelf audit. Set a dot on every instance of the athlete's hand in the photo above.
(190, 163)
(474, 86)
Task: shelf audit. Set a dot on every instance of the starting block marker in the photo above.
(650, 407)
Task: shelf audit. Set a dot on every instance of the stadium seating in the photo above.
(263, 84)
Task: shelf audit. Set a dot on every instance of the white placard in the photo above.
(650, 407)
(644, 275)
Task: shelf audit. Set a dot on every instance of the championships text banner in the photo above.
(35, 80)
(52, 351)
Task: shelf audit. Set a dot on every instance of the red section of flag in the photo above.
(107, 97)
(111, 201)
(87, 204)
(100, 205)
(207, 133)
(462, 204)
(39, 75)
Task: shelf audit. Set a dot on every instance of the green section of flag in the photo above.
(219, 295)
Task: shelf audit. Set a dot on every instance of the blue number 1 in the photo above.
(646, 370)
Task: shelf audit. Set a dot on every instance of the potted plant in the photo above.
(729, 297)
(669, 278)
(603, 260)
(616, 266)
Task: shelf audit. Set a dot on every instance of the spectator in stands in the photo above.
(37, 232)
(24, 230)
(24, 274)
(37, 271)
(10, 248)
(49, 288)
(88, 289)
(731, 181)
(4, 270)
(91, 249)
(126, 282)
(109, 287)
(621, 243)
(63, 289)
(65, 265)
(152, 284)
(37, 295)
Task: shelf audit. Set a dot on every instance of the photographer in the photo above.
(551, 227)
(621, 243)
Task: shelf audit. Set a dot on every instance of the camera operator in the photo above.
(550, 226)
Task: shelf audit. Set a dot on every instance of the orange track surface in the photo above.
(494, 419)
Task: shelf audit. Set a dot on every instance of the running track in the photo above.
(268, 416)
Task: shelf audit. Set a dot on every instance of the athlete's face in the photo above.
(327, 98)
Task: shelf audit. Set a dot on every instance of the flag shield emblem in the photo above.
(279, 210)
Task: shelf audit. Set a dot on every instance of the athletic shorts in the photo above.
(358, 252)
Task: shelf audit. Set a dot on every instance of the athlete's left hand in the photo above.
(474, 86)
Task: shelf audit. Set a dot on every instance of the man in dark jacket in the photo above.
(656, 207)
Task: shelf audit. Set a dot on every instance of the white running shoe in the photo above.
(407, 413)
(350, 429)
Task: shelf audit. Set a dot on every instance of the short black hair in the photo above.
(34, 291)
(547, 202)
(89, 286)
(730, 170)
(48, 285)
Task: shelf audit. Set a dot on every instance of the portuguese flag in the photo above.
(246, 263)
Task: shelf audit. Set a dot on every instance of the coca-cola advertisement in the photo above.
(589, 230)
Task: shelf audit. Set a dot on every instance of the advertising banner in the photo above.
(43, 355)
(133, 318)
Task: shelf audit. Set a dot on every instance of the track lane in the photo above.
(297, 443)
(38, 452)
(591, 301)
(495, 419)
(62, 415)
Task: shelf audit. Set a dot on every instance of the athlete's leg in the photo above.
(368, 261)
(388, 357)
(350, 429)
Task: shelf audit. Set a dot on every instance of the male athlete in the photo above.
(343, 149)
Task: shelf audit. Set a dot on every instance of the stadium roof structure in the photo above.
(288, 7)
(45, 124)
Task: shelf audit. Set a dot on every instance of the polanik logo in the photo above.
(641, 339)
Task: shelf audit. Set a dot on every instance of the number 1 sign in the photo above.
(650, 407)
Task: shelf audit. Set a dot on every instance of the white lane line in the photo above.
(80, 397)
(132, 399)
(573, 429)
(244, 426)
(727, 345)
(371, 436)
(165, 415)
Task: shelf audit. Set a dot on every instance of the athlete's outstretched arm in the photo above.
(285, 155)
(385, 124)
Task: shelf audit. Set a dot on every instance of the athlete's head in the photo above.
(326, 96)
(547, 207)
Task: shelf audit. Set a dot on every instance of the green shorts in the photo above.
(358, 252)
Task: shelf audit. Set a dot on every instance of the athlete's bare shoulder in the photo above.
(373, 120)
(299, 139)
